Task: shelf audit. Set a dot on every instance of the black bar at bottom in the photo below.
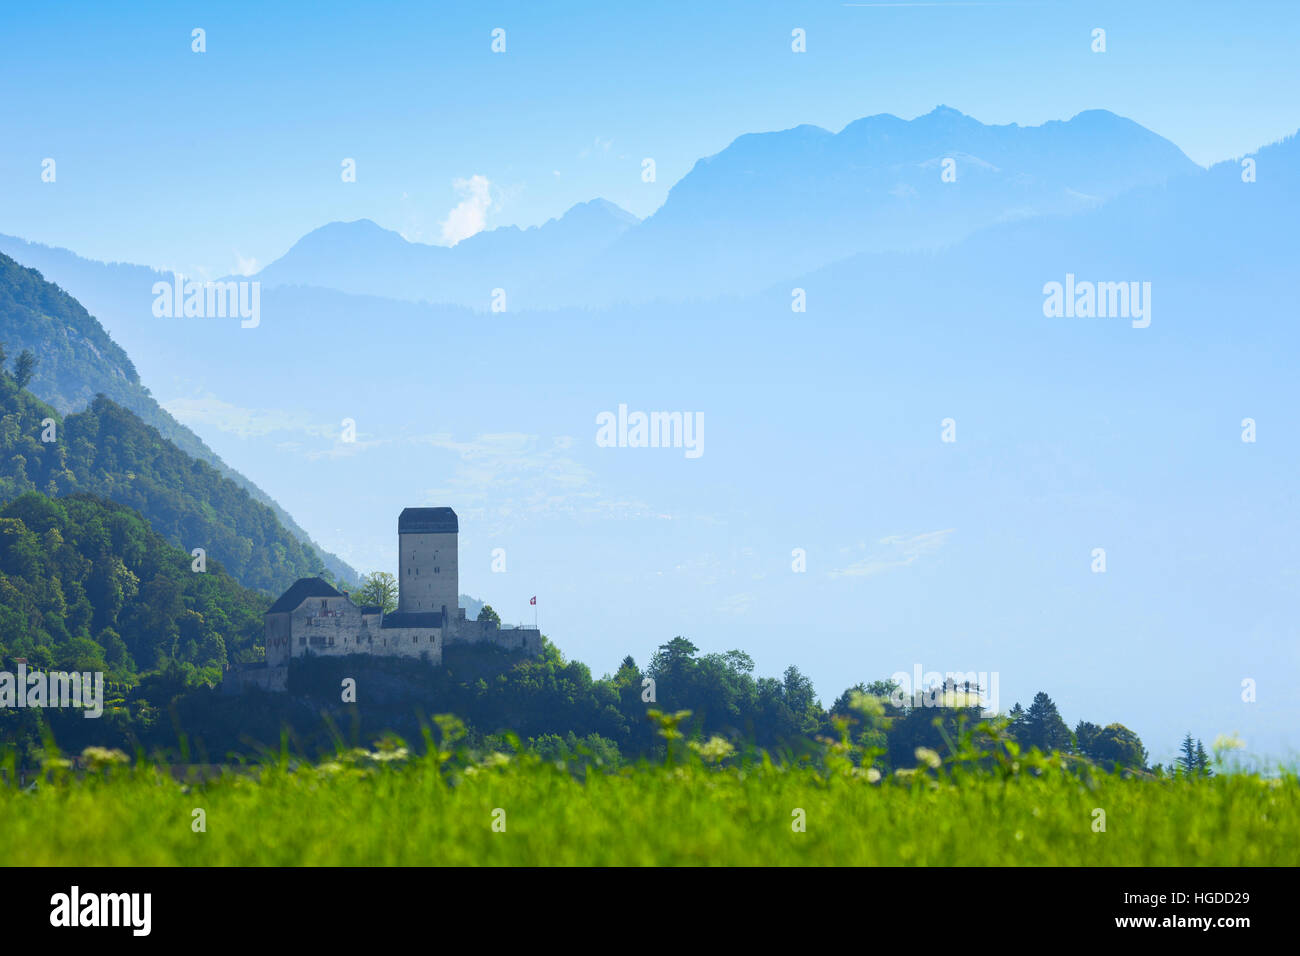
(964, 905)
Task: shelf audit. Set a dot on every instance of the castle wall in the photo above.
(278, 639)
(326, 626)
(525, 639)
(335, 627)
(241, 678)
(407, 642)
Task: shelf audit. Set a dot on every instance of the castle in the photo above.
(313, 618)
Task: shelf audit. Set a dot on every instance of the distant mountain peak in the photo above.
(352, 227)
(1099, 114)
(593, 211)
(605, 207)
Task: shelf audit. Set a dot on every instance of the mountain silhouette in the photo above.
(363, 258)
(770, 205)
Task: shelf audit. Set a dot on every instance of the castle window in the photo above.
(435, 570)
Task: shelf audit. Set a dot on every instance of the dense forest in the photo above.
(87, 585)
(108, 451)
(78, 360)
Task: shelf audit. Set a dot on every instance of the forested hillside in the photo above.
(107, 451)
(87, 585)
(77, 360)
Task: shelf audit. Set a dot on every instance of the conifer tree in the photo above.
(1202, 760)
(1044, 727)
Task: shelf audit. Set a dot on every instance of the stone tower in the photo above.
(426, 547)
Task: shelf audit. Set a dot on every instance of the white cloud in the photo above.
(246, 265)
(470, 214)
(896, 551)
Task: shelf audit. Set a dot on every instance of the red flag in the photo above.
(534, 600)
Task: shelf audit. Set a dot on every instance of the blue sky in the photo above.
(973, 556)
(218, 162)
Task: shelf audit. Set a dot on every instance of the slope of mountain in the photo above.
(79, 360)
(107, 451)
(360, 257)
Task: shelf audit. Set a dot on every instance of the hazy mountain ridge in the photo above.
(770, 204)
(1173, 218)
(786, 203)
(363, 258)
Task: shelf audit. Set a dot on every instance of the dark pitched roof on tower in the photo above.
(299, 591)
(427, 521)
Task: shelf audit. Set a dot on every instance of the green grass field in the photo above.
(388, 808)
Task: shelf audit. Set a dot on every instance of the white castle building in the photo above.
(313, 618)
